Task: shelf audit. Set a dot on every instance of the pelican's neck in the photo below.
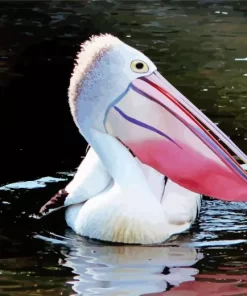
(119, 162)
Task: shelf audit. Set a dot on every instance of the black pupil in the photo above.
(139, 66)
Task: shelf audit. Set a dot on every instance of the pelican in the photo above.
(141, 129)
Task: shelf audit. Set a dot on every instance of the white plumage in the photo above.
(113, 196)
(115, 215)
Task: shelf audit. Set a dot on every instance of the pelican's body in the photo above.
(119, 101)
(147, 211)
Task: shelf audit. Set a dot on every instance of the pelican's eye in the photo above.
(139, 67)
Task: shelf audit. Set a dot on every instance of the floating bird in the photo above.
(140, 129)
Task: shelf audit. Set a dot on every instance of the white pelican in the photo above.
(119, 101)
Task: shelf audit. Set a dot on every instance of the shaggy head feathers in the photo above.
(91, 51)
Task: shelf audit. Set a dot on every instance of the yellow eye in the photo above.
(139, 67)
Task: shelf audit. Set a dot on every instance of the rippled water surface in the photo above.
(200, 46)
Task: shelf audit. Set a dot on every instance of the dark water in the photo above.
(200, 46)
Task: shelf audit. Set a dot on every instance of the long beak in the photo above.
(166, 131)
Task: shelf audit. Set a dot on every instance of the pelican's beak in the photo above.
(167, 132)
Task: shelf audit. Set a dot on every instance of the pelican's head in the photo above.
(105, 69)
(116, 89)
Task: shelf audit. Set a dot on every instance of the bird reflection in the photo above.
(129, 270)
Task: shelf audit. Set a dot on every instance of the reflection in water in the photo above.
(153, 271)
(129, 270)
(213, 285)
